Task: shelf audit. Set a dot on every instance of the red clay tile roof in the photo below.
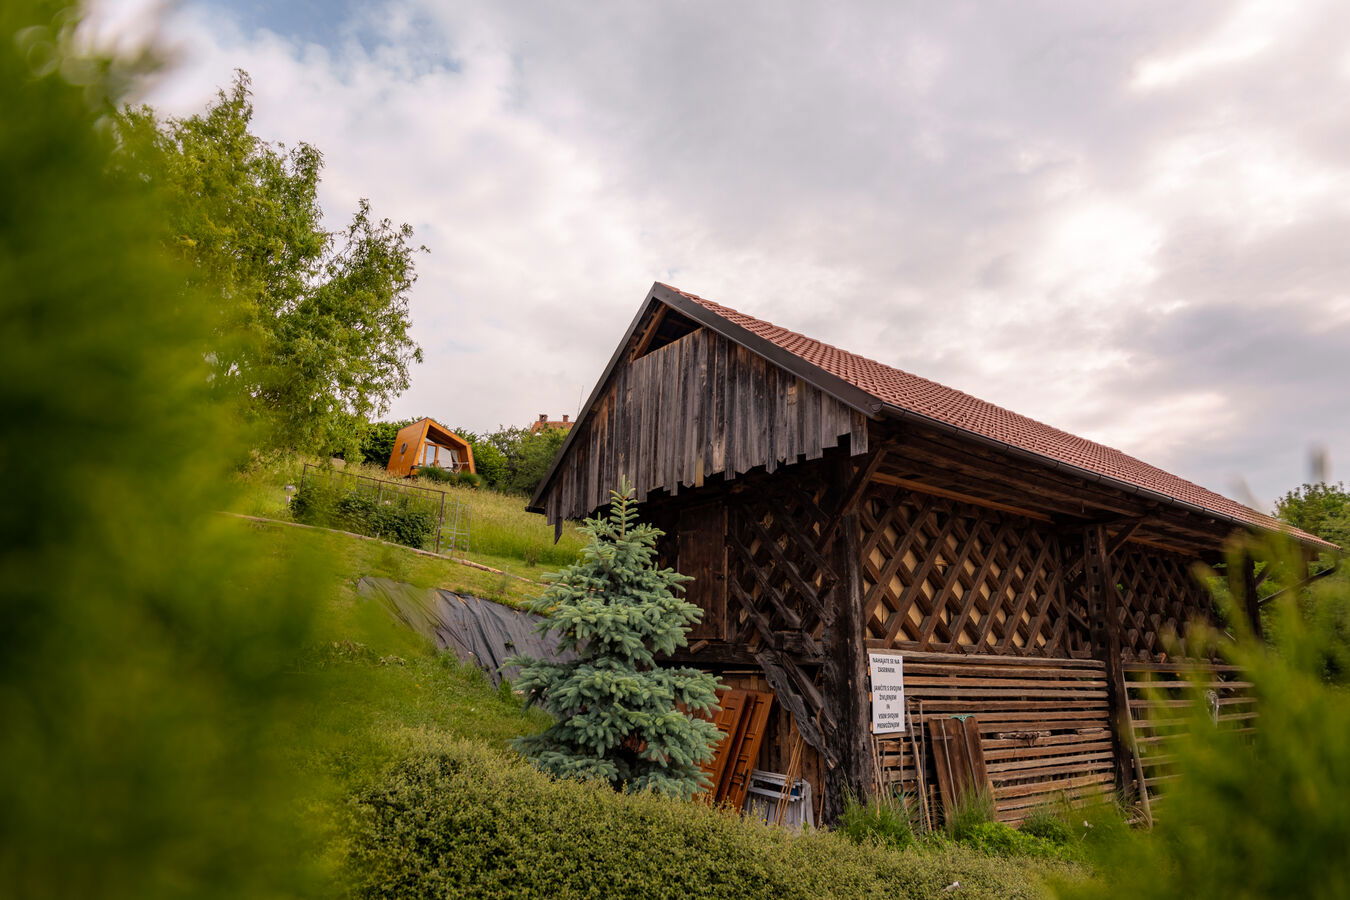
(928, 398)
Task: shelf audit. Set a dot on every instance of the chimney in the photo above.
(543, 417)
(564, 418)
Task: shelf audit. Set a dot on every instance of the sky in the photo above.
(1129, 220)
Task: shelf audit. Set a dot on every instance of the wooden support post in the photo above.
(1103, 606)
(845, 672)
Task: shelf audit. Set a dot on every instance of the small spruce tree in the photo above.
(618, 713)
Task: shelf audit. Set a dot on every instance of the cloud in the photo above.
(1125, 221)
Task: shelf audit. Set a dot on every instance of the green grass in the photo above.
(501, 533)
(348, 559)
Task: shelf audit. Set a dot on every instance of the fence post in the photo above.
(440, 523)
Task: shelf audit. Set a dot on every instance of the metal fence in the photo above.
(452, 516)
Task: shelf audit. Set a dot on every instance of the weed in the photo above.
(883, 819)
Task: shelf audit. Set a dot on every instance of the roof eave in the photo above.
(899, 412)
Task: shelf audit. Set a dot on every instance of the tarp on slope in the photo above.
(475, 630)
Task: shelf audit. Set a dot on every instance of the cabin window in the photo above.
(404, 449)
(670, 328)
(441, 457)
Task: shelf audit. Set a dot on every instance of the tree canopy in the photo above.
(1322, 509)
(311, 327)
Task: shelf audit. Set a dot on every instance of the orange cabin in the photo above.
(428, 443)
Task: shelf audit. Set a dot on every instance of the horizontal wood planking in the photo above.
(1061, 703)
(697, 407)
(1163, 699)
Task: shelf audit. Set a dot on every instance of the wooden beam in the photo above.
(921, 488)
(649, 332)
(845, 671)
(1113, 546)
(1103, 603)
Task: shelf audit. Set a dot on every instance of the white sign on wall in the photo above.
(888, 692)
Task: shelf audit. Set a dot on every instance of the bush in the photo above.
(377, 441)
(397, 517)
(454, 819)
(998, 839)
(445, 476)
(1046, 825)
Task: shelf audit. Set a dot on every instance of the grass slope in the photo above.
(501, 535)
(498, 524)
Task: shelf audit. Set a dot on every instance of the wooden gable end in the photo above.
(699, 407)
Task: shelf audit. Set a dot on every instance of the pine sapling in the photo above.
(621, 718)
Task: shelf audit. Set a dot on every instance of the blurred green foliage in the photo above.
(146, 693)
(1261, 814)
(310, 327)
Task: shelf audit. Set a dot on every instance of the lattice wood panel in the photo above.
(944, 575)
(1044, 727)
(779, 573)
(1160, 596)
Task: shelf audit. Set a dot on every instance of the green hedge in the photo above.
(458, 820)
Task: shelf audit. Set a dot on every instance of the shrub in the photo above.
(396, 517)
(1047, 825)
(445, 476)
(436, 474)
(490, 463)
(377, 441)
(998, 839)
(457, 820)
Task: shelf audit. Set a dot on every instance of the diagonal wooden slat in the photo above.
(977, 581)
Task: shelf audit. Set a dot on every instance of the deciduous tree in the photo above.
(312, 326)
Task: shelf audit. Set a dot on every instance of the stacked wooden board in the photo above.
(1043, 724)
(1165, 697)
(742, 717)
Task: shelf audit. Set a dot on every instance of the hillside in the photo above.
(415, 747)
(501, 535)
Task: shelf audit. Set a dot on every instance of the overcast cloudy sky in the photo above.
(1130, 220)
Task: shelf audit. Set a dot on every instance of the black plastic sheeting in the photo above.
(477, 631)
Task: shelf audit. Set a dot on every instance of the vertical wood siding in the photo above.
(698, 407)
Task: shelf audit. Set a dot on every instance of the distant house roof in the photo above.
(544, 423)
(895, 390)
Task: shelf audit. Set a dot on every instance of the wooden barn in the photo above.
(427, 443)
(835, 512)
